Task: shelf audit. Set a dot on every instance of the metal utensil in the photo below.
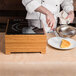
(66, 31)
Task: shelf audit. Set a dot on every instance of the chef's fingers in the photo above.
(53, 24)
(52, 27)
(70, 18)
(50, 24)
(71, 21)
(47, 20)
(67, 17)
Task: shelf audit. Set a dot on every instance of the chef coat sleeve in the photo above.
(67, 5)
(31, 5)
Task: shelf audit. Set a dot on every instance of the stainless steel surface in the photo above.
(66, 31)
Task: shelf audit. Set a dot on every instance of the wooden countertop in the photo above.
(52, 54)
(53, 63)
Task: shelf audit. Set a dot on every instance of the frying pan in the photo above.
(66, 31)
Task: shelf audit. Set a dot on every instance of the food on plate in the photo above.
(65, 44)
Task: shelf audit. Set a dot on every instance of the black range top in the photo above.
(23, 26)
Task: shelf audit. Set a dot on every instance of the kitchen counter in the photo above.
(53, 63)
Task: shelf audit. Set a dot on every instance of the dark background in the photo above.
(13, 9)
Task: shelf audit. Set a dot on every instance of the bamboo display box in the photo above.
(21, 37)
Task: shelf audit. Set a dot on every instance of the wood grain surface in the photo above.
(25, 43)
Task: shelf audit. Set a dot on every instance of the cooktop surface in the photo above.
(23, 26)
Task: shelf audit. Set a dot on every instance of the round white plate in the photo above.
(56, 41)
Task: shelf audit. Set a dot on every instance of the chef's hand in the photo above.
(70, 16)
(49, 16)
(50, 20)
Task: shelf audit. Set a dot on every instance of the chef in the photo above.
(47, 11)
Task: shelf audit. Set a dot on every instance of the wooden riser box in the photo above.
(25, 43)
(18, 41)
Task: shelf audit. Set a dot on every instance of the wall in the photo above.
(12, 9)
(11, 5)
(75, 4)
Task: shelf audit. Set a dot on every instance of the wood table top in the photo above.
(52, 55)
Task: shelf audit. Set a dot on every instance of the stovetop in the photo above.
(23, 26)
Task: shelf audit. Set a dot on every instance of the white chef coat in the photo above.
(51, 5)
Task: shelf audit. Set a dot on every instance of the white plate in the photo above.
(56, 41)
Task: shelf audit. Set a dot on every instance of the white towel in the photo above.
(62, 16)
